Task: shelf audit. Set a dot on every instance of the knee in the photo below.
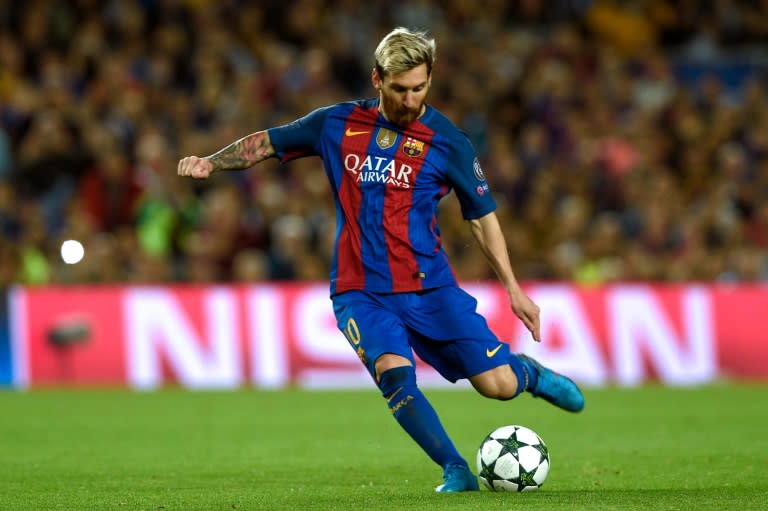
(501, 392)
(496, 385)
(389, 361)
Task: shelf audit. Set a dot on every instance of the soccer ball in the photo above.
(513, 458)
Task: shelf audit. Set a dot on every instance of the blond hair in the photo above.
(402, 49)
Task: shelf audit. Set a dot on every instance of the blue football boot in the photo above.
(457, 478)
(559, 390)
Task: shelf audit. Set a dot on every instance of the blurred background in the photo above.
(626, 141)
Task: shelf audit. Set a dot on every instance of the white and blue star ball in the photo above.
(513, 458)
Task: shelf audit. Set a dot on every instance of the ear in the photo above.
(375, 79)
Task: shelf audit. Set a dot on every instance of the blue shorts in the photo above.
(440, 325)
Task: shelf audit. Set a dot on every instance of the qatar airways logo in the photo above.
(378, 169)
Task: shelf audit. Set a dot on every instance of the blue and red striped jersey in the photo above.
(387, 183)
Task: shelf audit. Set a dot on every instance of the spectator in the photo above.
(594, 110)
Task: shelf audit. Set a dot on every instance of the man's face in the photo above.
(403, 95)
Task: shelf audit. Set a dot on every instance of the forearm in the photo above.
(489, 236)
(244, 153)
(488, 233)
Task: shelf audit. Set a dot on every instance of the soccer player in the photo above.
(389, 161)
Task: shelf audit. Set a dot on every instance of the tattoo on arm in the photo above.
(244, 153)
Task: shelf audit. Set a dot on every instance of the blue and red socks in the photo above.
(527, 375)
(416, 416)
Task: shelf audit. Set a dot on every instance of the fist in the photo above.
(192, 166)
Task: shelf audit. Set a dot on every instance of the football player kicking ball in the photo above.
(389, 161)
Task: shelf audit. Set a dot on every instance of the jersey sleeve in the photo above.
(299, 138)
(468, 181)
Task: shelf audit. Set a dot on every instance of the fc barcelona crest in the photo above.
(386, 138)
(413, 147)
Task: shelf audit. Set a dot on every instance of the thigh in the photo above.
(461, 358)
(371, 327)
(447, 333)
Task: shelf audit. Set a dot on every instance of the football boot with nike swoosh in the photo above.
(559, 390)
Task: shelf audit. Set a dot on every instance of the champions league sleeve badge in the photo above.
(478, 170)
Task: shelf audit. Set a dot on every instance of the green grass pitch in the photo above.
(650, 448)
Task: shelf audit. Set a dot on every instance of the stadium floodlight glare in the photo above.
(72, 251)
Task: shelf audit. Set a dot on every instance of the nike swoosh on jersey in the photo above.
(351, 133)
(490, 353)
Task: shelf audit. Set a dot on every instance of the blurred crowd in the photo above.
(624, 140)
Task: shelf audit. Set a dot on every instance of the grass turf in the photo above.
(648, 448)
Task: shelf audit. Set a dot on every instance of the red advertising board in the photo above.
(278, 335)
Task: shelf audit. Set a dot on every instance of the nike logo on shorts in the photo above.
(491, 353)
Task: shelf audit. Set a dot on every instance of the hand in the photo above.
(192, 166)
(527, 311)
